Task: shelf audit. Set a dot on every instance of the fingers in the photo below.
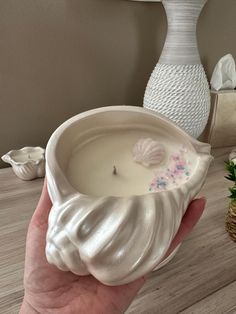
(189, 220)
(135, 286)
(41, 213)
(129, 291)
(44, 198)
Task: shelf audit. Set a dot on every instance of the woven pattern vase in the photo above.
(178, 87)
(230, 221)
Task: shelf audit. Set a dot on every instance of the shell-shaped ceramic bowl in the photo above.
(28, 163)
(116, 239)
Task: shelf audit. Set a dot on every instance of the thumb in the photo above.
(40, 216)
(190, 219)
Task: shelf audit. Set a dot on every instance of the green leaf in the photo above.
(230, 177)
(231, 168)
(233, 193)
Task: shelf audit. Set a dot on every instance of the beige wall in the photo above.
(61, 57)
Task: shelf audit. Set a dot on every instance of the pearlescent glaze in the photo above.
(116, 239)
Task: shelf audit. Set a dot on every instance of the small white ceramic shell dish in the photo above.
(116, 239)
(28, 163)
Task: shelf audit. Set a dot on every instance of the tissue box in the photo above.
(221, 128)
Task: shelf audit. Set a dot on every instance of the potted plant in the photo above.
(231, 215)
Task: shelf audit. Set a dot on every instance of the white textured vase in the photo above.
(178, 87)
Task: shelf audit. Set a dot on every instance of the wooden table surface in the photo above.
(200, 279)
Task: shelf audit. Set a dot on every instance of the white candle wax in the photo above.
(24, 156)
(91, 165)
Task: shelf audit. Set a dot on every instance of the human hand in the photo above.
(49, 290)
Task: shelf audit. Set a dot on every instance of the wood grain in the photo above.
(17, 202)
(214, 303)
(201, 279)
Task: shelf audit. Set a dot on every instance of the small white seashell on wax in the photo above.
(148, 152)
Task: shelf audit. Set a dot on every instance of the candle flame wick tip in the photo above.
(114, 170)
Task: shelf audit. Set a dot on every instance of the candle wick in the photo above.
(114, 170)
(28, 156)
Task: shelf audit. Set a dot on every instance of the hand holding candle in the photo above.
(101, 298)
(107, 217)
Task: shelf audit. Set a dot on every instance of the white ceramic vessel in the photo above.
(116, 239)
(178, 87)
(28, 163)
